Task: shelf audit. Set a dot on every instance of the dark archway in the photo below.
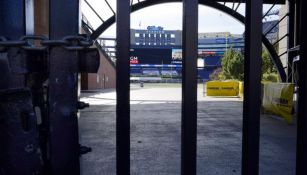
(212, 4)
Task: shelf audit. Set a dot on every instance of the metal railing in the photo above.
(100, 42)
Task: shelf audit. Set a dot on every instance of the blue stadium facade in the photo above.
(156, 52)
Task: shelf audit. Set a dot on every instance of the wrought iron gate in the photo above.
(39, 95)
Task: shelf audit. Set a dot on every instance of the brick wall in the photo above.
(105, 78)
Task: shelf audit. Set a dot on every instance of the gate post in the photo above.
(63, 86)
(301, 150)
(252, 88)
(123, 87)
(189, 87)
(19, 153)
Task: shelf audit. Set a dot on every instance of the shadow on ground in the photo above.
(156, 138)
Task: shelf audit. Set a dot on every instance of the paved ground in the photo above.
(155, 135)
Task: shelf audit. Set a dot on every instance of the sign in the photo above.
(134, 60)
(278, 99)
(222, 88)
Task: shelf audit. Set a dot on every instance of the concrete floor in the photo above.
(155, 135)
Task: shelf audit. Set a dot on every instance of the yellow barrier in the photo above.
(278, 99)
(222, 88)
(241, 89)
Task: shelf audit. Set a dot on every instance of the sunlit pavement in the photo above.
(150, 93)
(156, 134)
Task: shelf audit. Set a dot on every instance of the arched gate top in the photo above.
(213, 4)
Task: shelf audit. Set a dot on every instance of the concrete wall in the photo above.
(283, 29)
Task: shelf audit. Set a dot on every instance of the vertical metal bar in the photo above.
(291, 36)
(12, 24)
(12, 21)
(189, 87)
(252, 88)
(19, 153)
(123, 87)
(301, 152)
(63, 95)
(297, 21)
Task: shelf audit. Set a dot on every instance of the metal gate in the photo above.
(39, 95)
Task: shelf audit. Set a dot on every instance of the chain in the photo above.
(78, 42)
(4, 43)
(70, 42)
(31, 44)
(39, 42)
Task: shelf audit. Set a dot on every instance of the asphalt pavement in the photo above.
(156, 134)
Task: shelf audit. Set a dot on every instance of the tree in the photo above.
(267, 63)
(269, 72)
(233, 65)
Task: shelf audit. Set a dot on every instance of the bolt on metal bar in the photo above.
(301, 148)
(123, 87)
(109, 6)
(252, 88)
(91, 7)
(268, 11)
(269, 31)
(189, 87)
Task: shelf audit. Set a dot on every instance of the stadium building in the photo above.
(156, 55)
(156, 52)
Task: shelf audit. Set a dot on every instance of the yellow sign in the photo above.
(278, 99)
(222, 88)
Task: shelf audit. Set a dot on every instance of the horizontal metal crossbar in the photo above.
(264, 1)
